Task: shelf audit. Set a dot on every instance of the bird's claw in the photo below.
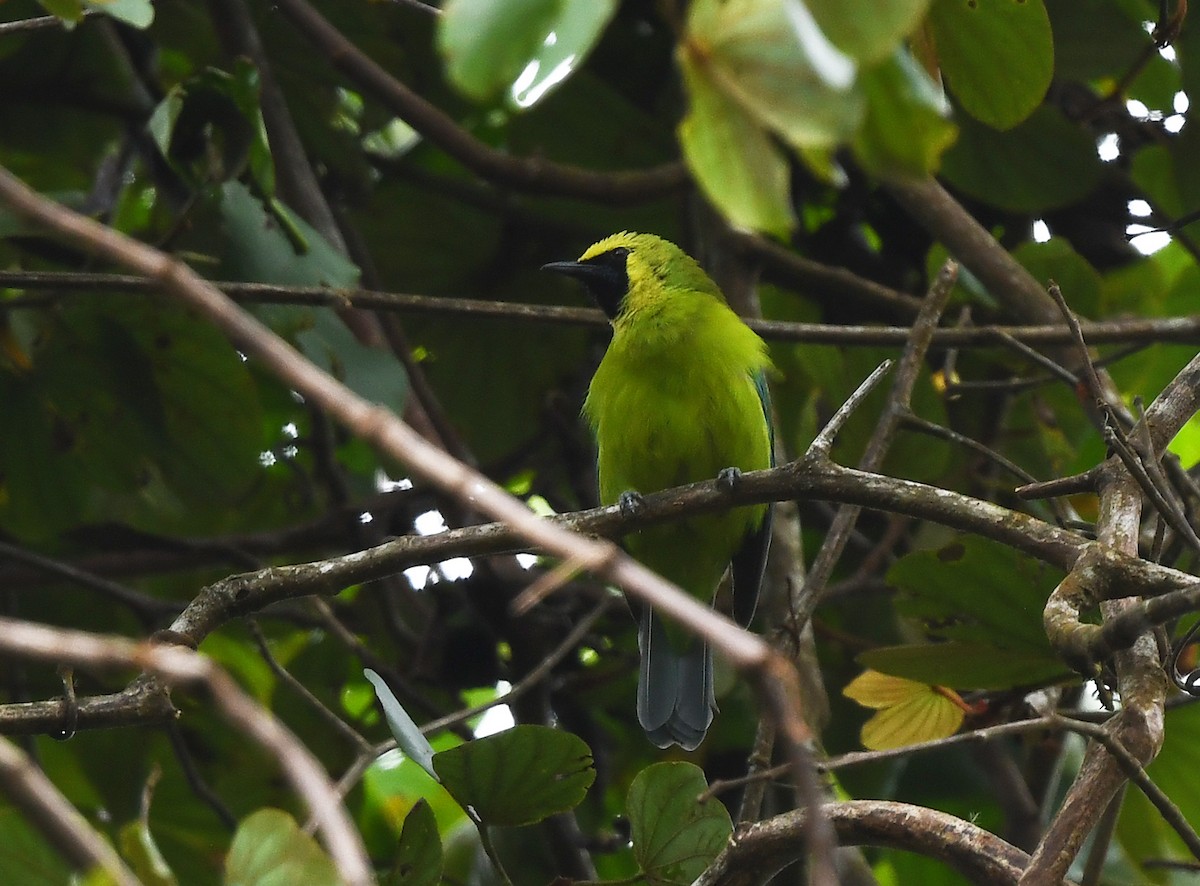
(729, 478)
(630, 503)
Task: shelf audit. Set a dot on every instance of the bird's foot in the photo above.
(630, 503)
(729, 478)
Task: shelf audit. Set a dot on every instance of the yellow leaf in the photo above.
(909, 712)
(872, 689)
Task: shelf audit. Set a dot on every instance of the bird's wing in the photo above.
(750, 559)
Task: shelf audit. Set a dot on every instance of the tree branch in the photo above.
(761, 849)
(177, 665)
(1182, 330)
(526, 174)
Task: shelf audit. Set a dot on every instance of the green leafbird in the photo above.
(680, 396)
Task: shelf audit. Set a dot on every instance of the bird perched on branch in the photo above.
(680, 396)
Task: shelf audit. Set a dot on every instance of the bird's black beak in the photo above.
(605, 281)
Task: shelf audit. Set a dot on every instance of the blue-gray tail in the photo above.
(675, 700)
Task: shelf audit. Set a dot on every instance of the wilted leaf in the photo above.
(997, 55)
(675, 836)
(407, 734)
(269, 849)
(518, 776)
(908, 712)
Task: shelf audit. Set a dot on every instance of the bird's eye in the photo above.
(614, 258)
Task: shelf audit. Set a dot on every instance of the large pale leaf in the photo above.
(997, 55)
(269, 849)
(675, 836)
(137, 13)
(518, 776)
(737, 164)
(769, 57)
(522, 47)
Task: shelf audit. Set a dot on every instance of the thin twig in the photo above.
(191, 773)
(823, 442)
(916, 423)
(1181, 330)
(340, 726)
(911, 361)
(149, 609)
(355, 771)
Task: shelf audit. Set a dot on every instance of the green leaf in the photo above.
(1169, 174)
(906, 130)
(982, 594)
(70, 11)
(136, 13)
(965, 665)
(373, 373)
(269, 849)
(1056, 260)
(675, 836)
(524, 47)
(407, 734)
(868, 30)
(769, 58)
(144, 857)
(997, 56)
(255, 249)
(737, 164)
(519, 776)
(419, 857)
(1176, 770)
(1093, 38)
(1044, 163)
